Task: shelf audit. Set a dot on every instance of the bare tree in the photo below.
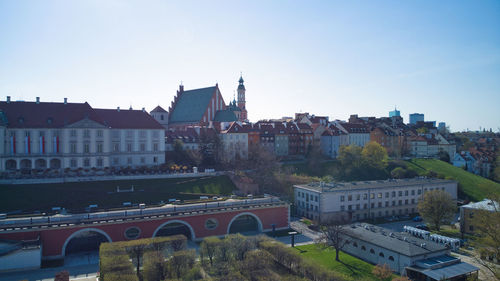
(333, 235)
(437, 207)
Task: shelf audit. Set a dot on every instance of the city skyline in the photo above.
(334, 59)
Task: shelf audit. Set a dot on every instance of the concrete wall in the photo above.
(21, 259)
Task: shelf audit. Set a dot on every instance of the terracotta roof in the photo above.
(128, 119)
(46, 114)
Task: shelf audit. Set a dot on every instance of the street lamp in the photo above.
(292, 236)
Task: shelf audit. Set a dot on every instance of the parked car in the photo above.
(417, 218)
(423, 227)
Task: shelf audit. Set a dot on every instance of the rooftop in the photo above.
(338, 186)
(399, 242)
(486, 204)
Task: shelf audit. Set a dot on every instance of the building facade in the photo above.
(56, 136)
(354, 201)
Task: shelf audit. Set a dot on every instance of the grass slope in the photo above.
(476, 188)
(350, 268)
(78, 195)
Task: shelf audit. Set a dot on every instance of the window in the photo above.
(365, 196)
(363, 247)
(86, 162)
(99, 147)
(373, 205)
(316, 198)
(349, 207)
(372, 251)
(413, 201)
(129, 147)
(72, 133)
(86, 147)
(372, 195)
(349, 197)
(116, 147)
(406, 201)
(129, 160)
(86, 133)
(400, 193)
(354, 244)
(99, 162)
(400, 202)
(342, 198)
(143, 147)
(72, 147)
(387, 203)
(41, 133)
(99, 133)
(406, 192)
(380, 204)
(155, 147)
(387, 195)
(143, 160)
(381, 254)
(358, 197)
(357, 206)
(413, 192)
(391, 258)
(379, 195)
(73, 163)
(116, 161)
(419, 191)
(394, 194)
(211, 224)
(471, 215)
(132, 233)
(393, 202)
(142, 134)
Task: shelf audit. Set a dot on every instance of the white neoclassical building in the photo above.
(49, 135)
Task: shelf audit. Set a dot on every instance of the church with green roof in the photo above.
(200, 107)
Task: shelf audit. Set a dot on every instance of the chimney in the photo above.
(181, 88)
(37, 100)
(65, 100)
(118, 109)
(143, 109)
(8, 99)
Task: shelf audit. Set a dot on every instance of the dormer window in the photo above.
(20, 120)
(50, 120)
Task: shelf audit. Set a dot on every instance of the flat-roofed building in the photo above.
(406, 254)
(354, 201)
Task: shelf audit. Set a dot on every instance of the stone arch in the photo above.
(55, 163)
(259, 222)
(191, 230)
(40, 164)
(11, 164)
(76, 233)
(25, 164)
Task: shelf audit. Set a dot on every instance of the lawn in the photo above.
(350, 268)
(474, 187)
(78, 195)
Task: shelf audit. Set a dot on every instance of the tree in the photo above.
(487, 224)
(401, 278)
(382, 272)
(437, 207)
(374, 155)
(332, 234)
(154, 266)
(181, 262)
(398, 173)
(444, 156)
(209, 248)
(136, 250)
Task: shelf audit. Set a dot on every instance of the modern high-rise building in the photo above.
(415, 117)
(395, 112)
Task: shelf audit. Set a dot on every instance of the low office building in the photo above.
(470, 211)
(354, 201)
(405, 254)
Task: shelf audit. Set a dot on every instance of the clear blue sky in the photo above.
(440, 58)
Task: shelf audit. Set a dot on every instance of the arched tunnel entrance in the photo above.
(174, 228)
(245, 223)
(82, 247)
